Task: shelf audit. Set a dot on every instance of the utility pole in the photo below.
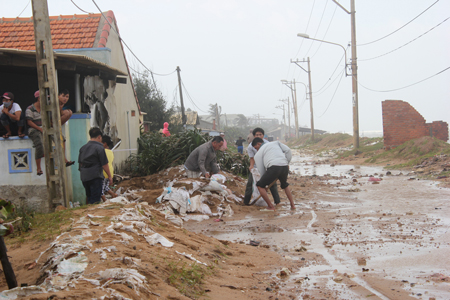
(289, 115)
(217, 116)
(294, 95)
(310, 90)
(50, 114)
(183, 115)
(354, 67)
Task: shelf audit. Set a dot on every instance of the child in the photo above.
(108, 144)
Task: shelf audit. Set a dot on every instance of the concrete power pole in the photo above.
(55, 167)
(183, 115)
(311, 101)
(354, 67)
(354, 79)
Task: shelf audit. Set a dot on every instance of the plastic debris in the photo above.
(157, 238)
(219, 178)
(73, 265)
(191, 258)
(196, 217)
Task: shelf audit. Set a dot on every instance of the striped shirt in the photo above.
(34, 116)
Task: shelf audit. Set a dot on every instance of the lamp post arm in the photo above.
(345, 51)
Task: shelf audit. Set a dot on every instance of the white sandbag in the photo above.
(196, 203)
(256, 177)
(204, 209)
(213, 186)
(179, 199)
(219, 178)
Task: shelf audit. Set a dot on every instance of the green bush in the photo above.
(156, 153)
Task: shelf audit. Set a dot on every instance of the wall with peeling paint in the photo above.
(121, 106)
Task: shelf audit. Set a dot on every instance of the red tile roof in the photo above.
(68, 32)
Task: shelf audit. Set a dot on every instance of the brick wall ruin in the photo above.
(402, 122)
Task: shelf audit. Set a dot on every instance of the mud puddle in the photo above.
(388, 240)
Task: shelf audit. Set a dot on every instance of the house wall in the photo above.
(402, 122)
(122, 106)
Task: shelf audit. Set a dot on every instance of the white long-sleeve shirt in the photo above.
(272, 154)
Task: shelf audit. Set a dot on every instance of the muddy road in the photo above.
(356, 233)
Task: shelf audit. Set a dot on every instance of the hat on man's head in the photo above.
(8, 95)
(36, 94)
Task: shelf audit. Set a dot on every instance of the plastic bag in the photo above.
(213, 186)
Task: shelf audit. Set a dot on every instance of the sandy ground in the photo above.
(350, 238)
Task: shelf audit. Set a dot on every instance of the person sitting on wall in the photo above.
(202, 161)
(63, 98)
(34, 122)
(11, 117)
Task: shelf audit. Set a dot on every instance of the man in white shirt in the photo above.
(251, 151)
(11, 116)
(272, 161)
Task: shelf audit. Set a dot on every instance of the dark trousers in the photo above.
(13, 125)
(93, 190)
(248, 191)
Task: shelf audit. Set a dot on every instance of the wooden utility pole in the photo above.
(183, 115)
(55, 167)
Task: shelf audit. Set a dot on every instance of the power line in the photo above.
(24, 9)
(400, 27)
(406, 43)
(307, 25)
(190, 98)
(81, 8)
(337, 66)
(318, 94)
(405, 86)
(318, 27)
(329, 24)
(120, 38)
(331, 100)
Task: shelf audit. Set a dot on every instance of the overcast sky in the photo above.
(236, 52)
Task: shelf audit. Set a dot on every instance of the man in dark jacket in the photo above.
(93, 161)
(202, 161)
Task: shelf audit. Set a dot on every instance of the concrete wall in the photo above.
(402, 122)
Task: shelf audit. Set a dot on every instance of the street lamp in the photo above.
(305, 36)
(354, 81)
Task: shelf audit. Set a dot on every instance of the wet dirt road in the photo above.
(352, 238)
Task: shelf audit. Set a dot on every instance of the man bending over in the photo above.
(272, 161)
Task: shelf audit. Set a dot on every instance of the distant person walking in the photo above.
(240, 146)
(92, 162)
